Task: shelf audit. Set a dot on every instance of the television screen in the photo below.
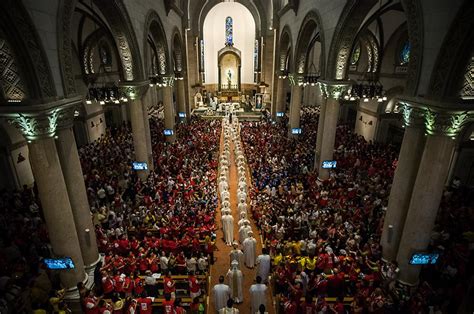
(168, 132)
(280, 114)
(182, 114)
(296, 131)
(140, 166)
(59, 263)
(424, 258)
(329, 164)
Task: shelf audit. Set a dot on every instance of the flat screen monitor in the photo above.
(182, 114)
(329, 164)
(168, 132)
(59, 263)
(280, 114)
(296, 131)
(140, 166)
(424, 258)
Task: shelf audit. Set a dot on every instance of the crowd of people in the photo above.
(324, 236)
(162, 225)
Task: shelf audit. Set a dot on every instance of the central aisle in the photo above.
(222, 264)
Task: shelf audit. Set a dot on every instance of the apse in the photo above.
(243, 36)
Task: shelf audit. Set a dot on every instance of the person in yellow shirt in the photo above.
(277, 259)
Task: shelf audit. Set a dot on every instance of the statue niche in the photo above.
(229, 63)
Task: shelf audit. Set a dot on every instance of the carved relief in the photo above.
(467, 89)
(11, 82)
(65, 47)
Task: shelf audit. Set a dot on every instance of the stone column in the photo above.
(401, 192)
(280, 98)
(39, 125)
(332, 91)
(295, 107)
(319, 136)
(181, 98)
(149, 148)
(74, 179)
(135, 93)
(424, 204)
(170, 115)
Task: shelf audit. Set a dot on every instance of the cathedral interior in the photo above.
(326, 146)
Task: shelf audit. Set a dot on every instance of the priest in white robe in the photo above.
(242, 206)
(263, 265)
(236, 255)
(234, 280)
(221, 293)
(228, 228)
(243, 232)
(258, 295)
(250, 250)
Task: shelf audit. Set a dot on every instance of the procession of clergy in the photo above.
(225, 295)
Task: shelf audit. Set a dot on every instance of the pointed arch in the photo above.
(310, 31)
(154, 31)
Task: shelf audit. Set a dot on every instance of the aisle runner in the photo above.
(230, 192)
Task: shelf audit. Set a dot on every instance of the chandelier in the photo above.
(311, 78)
(368, 88)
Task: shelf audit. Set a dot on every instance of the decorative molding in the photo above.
(295, 79)
(341, 47)
(11, 81)
(27, 33)
(135, 90)
(168, 81)
(456, 48)
(437, 118)
(64, 29)
(42, 121)
(334, 89)
(467, 89)
(414, 14)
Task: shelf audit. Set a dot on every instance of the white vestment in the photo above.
(228, 226)
(242, 207)
(243, 233)
(234, 279)
(221, 295)
(257, 296)
(263, 268)
(250, 251)
(226, 310)
(243, 221)
(237, 255)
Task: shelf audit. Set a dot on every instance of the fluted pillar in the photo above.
(321, 101)
(135, 92)
(74, 179)
(39, 125)
(424, 204)
(281, 97)
(401, 191)
(333, 92)
(170, 115)
(295, 107)
(181, 97)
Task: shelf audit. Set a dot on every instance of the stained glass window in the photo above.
(405, 53)
(355, 54)
(229, 31)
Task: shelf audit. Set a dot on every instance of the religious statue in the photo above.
(229, 78)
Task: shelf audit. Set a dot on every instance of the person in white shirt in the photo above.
(250, 250)
(263, 265)
(236, 254)
(221, 293)
(228, 228)
(257, 295)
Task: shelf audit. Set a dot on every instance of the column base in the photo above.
(404, 290)
(91, 267)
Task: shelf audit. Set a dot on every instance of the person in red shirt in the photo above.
(145, 304)
(132, 307)
(91, 303)
(139, 285)
(290, 307)
(129, 284)
(338, 308)
(194, 286)
(168, 304)
(107, 284)
(105, 307)
(169, 285)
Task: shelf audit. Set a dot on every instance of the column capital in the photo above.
(168, 81)
(42, 121)
(135, 90)
(295, 79)
(438, 118)
(334, 89)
